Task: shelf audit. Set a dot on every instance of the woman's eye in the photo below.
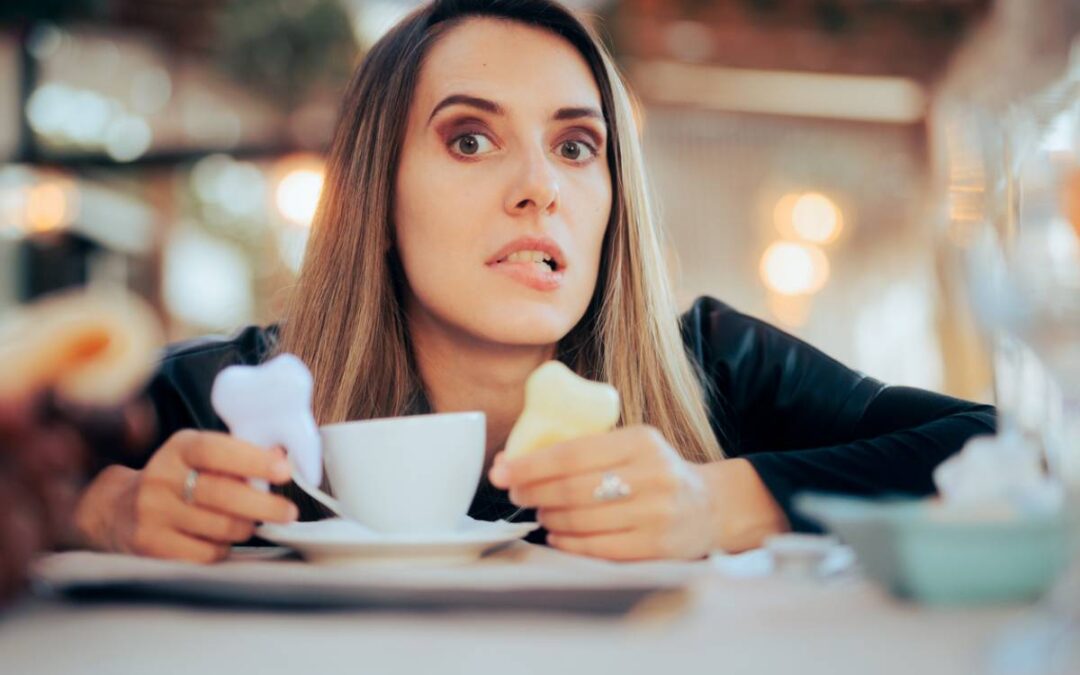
(472, 144)
(575, 150)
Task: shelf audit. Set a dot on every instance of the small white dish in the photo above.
(337, 540)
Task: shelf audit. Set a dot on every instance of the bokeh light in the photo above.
(809, 216)
(236, 188)
(151, 89)
(50, 205)
(127, 138)
(296, 194)
(793, 268)
(207, 282)
(816, 218)
(782, 214)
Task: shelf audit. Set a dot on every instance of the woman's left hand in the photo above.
(667, 512)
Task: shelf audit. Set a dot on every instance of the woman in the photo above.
(484, 211)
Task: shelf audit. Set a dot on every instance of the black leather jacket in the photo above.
(803, 420)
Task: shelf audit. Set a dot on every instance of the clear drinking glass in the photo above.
(1005, 132)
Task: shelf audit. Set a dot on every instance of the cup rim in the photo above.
(380, 421)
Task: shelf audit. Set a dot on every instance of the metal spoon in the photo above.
(318, 495)
(515, 514)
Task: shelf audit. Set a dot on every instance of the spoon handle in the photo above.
(318, 495)
(515, 514)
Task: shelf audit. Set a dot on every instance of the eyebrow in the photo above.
(496, 109)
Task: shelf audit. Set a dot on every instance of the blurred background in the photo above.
(174, 146)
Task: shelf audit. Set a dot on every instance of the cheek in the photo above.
(593, 213)
(414, 229)
(436, 223)
(423, 222)
(426, 257)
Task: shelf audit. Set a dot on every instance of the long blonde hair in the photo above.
(346, 318)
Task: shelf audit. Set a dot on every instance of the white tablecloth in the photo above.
(733, 618)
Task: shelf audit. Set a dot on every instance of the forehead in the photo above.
(508, 62)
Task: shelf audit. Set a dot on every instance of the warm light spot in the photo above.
(297, 192)
(816, 218)
(782, 214)
(49, 206)
(792, 268)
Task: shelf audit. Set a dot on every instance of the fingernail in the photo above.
(499, 475)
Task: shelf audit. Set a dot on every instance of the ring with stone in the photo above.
(611, 487)
(188, 493)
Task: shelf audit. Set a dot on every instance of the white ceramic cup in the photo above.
(413, 474)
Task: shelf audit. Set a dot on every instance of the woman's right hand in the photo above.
(144, 512)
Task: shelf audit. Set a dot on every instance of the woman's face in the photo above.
(503, 191)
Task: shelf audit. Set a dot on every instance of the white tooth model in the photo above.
(269, 405)
(560, 406)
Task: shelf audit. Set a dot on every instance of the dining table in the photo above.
(523, 608)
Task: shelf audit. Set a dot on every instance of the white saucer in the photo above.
(344, 541)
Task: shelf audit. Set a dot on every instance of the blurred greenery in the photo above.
(286, 48)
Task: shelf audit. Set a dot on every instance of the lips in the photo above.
(513, 261)
(541, 244)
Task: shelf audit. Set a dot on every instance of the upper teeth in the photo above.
(528, 256)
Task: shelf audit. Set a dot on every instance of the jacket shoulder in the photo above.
(180, 389)
(710, 323)
(250, 345)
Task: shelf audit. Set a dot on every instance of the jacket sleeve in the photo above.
(808, 423)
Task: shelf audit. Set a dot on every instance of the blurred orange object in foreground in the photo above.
(74, 367)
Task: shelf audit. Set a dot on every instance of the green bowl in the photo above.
(915, 552)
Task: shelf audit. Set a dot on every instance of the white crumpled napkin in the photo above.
(997, 473)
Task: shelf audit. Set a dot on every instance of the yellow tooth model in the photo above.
(560, 406)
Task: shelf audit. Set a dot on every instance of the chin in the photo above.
(526, 326)
(500, 318)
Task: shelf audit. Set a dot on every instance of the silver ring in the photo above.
(188, 493)
(611, 487)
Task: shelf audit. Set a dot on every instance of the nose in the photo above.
(535, 187)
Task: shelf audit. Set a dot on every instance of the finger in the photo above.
(633, 545)
(581, 490)
(211, 525)
(174, 545)
(588, 453)
(221, 453)
(238, 499)
(605, 518)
